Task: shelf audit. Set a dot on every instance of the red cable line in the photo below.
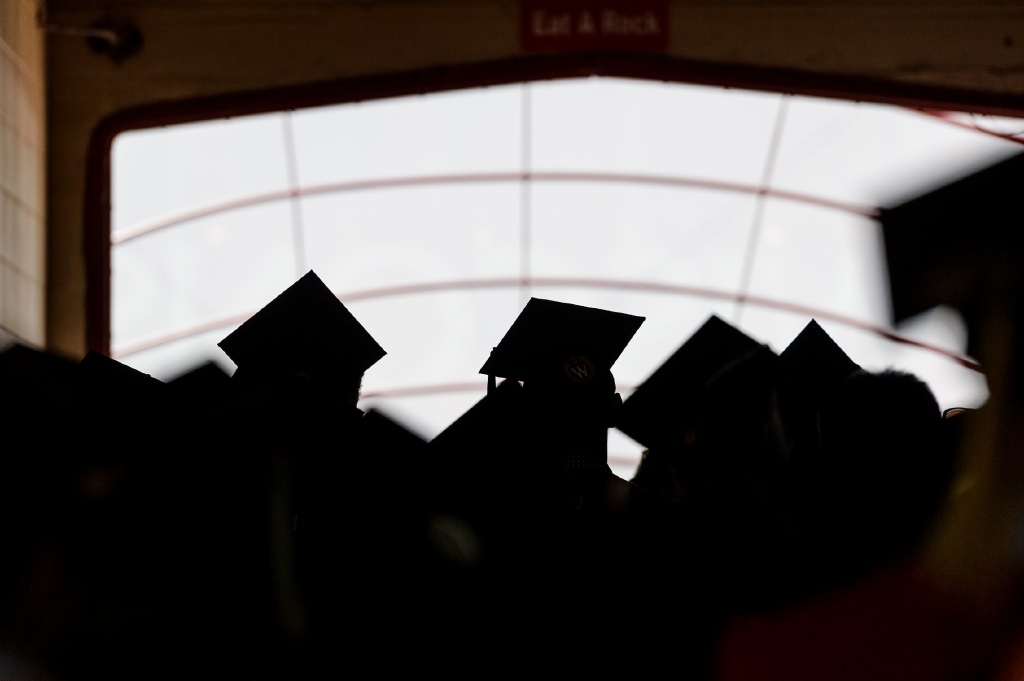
(871, 212)
(125, 235)
(552, 176)
(953, 118)
(616, 284)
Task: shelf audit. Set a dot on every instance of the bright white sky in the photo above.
(642, 200)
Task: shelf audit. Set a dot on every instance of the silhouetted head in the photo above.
(881, 471)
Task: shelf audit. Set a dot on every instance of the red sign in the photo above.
(594, 25)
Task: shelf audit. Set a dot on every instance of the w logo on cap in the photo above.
(579, 368)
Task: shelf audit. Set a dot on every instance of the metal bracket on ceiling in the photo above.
(116, 39)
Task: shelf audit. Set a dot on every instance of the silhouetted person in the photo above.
(300, 441)
(118, 541)
(663, 411)
(482, 481)
(871, 494)
(871, 602)
(37, 403)
(706, 419)
(109, 473)
(568, 533)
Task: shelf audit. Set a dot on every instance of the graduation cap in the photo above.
(203, 385)
(479, 456)
(813, 361)
(652, 415)
(198, 380)
(304, 329)
(105, 371)
(392, 436)
(135, 393)
(561, 341)
(488, 421)
(944, 246)
(810, 367)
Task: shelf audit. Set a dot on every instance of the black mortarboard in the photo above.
(390, 435)
(944, 246)
(810, 367)
(306, 328)
(204, 376)
(140, 401)
(204, 384)
(487, 423)
(813, 361)
(104, 372)
(548, 332)
(654, 413)
(484, 449)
